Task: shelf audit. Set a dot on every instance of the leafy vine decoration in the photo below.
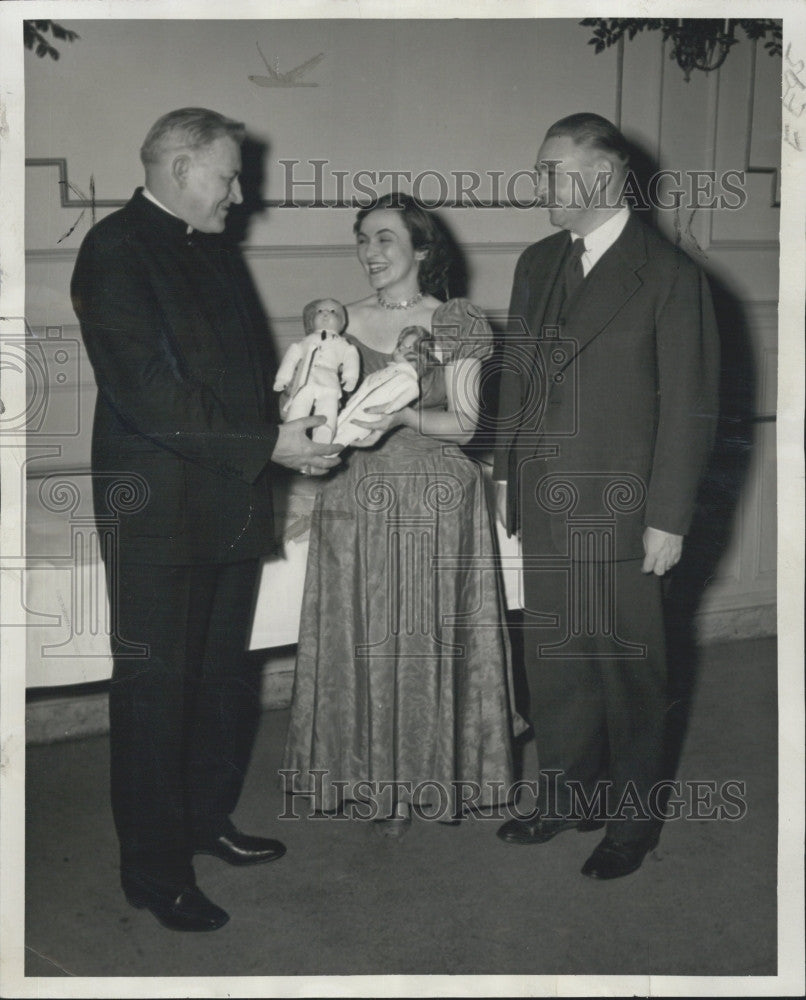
(696, 43)
(34, 37)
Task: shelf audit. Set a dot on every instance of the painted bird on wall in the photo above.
(292, 78)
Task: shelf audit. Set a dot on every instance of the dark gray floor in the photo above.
(442, 900)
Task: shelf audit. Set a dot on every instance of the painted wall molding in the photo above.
(68, 200)
(713, 242)
(260, 251)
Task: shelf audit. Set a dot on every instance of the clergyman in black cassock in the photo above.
(183, 448)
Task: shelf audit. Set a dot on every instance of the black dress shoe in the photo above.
(613, 859)
(238, 848)
(186, 910)
(537, 830)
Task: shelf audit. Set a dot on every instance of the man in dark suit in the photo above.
(183, 446)
(607, 410)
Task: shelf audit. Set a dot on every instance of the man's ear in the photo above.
(180, 168)
(606, 174)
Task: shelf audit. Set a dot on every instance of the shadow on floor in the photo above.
(443, 900)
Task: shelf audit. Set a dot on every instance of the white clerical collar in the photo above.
(602, 238)
(158, 203)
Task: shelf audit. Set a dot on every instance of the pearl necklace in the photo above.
(405, 304)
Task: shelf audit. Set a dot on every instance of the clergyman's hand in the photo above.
(295, 450)
(662, 551)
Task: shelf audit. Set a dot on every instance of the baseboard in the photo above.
(70, 716)
(724, 624)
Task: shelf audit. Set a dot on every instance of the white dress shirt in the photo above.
(602, 238)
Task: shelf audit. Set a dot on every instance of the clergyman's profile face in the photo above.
(212, 185)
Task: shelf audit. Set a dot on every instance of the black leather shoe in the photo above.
(186, 910)
(612, 859)
(238, 848)
(537, 830)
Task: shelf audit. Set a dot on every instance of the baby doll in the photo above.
(414, 372)
(318, 368)
(416, 345)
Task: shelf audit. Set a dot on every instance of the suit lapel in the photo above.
(613, 281)
(544, 272)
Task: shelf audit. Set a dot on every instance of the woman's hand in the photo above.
(384, 423)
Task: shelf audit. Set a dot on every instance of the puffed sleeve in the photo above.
(461, 330)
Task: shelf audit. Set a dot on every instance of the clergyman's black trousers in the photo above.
(183, 716)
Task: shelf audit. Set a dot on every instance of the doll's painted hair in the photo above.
(309, 312)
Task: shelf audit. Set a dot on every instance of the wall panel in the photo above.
(449, 96)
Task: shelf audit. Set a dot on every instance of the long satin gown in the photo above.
(403, 669)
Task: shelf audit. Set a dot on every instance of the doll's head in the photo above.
(416, 345)
(324, 316)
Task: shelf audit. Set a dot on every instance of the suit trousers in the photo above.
(182, 717)
(597, 683)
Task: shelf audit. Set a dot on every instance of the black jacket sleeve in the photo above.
(136, 352)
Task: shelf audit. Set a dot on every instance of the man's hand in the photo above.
(501, 501)
(662, 551)
(295, 449)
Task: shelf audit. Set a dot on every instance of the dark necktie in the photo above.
(573, 274)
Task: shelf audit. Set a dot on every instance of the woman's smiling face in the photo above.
(386, 253)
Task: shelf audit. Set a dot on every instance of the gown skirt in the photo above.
(403, 674)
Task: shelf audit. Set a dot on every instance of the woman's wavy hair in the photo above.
(426, 234)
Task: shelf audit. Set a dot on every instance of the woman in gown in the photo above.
(403, 668)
